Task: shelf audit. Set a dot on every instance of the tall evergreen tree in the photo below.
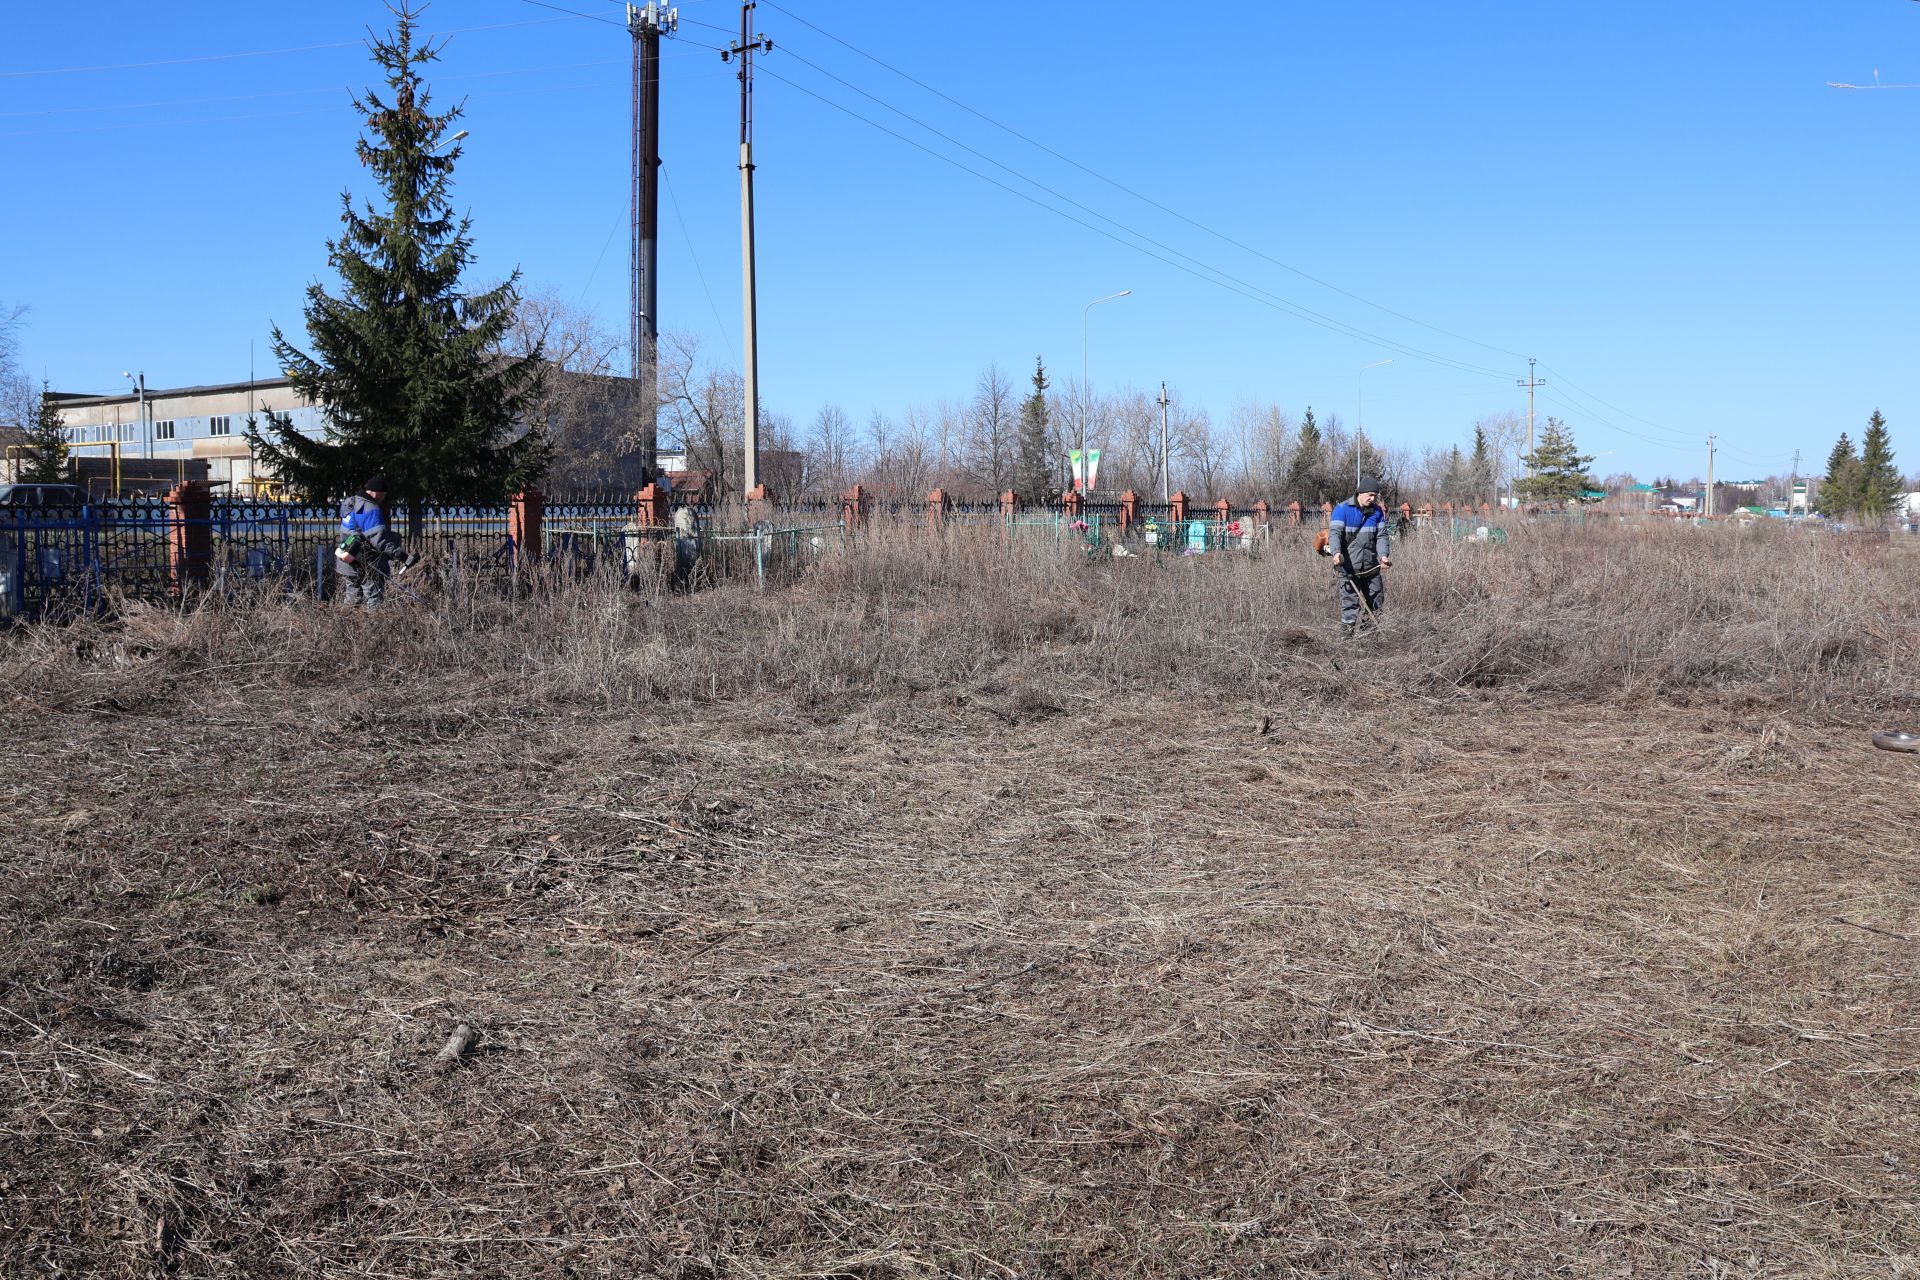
(1303, 483)
(1482, 477)
(406, 365)
(1880, 482)
(1033, 470)
(1559, 469)
(45, 460)
(1839, 493)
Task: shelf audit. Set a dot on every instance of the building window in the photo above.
(220, 426)
(163, 430)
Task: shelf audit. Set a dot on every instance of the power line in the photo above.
(1145, 199)
(268, 53)
(1231, 283)
(694, 254)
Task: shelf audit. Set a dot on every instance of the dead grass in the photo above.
(957, 917)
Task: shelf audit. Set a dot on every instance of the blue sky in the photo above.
(1665, 204)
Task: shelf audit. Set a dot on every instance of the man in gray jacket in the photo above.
(1358, 541)
(366, 545)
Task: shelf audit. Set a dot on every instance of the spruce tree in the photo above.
(1839, 489)
(407, 366)
(46, 453)
(1033, 467)
(1879, 484)
(1481, 476)
(1559, 469)
(1303, 469)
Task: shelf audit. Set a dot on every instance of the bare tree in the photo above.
(992, 425)
(832, 453)
(592, 413)
(19, 402)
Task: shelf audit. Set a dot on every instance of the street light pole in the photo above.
(1086, 392)
(139, 382)
(1360, 416)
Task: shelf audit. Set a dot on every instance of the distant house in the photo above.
(202, 430)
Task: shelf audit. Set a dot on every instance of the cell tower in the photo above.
(647, 25)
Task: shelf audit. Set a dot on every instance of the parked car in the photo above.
(38, 496)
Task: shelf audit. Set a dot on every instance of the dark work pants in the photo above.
(364, 584)
(1374, 584)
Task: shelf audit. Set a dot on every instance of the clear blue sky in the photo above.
(1664, 203)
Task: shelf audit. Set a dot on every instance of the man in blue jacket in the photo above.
(1357, 539)
(366, 545)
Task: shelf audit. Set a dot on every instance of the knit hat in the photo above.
(1368, 484)
(376, 483)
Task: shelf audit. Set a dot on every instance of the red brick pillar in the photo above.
(189, 535)
(1326, 513)
(1074, 502)
(1293, 514)
(853, 509)
(1177, 508)
(525, 512)
(650, 507)
(1426, 512)
(937, 502)
(1406, 511)
(1224, 510)
(1263, 513)
(1486, 510)
(1009, 505)
(1129, 510)
(759, 504)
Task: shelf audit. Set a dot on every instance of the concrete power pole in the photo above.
(646, 26)
(1166, 482)
(744, 50)
(1530, 384)
(1709, 500)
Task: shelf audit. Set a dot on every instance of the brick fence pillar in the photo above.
(1326, 513)
(1293, 514)
(1009, 505)
(1224, 510)
(937, 503)
(525, 512)
(853, 509)
(650, 507)
(1177, 508)
(1073, 502)
(1263, 513)
(189, 535)
(759, 504)
(1129, 510)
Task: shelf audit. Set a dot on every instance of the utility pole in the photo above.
(646, 25)
(1709, 501)
(1793, 481)
(1166, 483)
(744, 50)
(1530, 384)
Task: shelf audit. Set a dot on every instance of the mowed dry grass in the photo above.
(999, 961)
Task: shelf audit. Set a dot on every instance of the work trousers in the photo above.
(1375, 586)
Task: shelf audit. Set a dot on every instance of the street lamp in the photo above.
(139, 382)
(450, 141)
(1086, 392)
(1360, 415)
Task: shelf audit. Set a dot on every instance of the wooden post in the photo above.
(189, 535)
(525, 513)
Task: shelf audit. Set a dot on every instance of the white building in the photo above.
(207, 423)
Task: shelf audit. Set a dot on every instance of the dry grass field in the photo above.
(981, 909)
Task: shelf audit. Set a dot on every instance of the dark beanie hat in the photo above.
(376, 483)
(1368, 484)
